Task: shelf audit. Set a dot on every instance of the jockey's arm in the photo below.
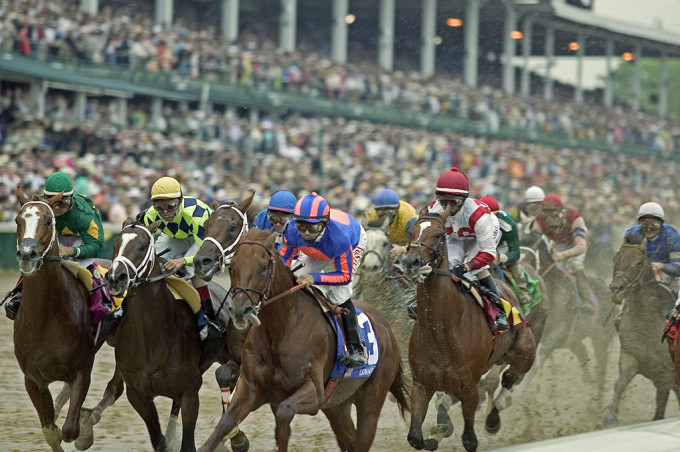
(534, 237)
(511, 239)
(484, 230)
(580, 244)
(91, 232)
(341, 274)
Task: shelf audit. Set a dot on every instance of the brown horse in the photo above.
(52, 330)
(644, 303)
(291, 349)
(158, 348)
(451, 345)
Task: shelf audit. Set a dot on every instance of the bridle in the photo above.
(631, 282)
(34, 243)
(264, 293)
(226, 253)
(438, 250)
(137, 273)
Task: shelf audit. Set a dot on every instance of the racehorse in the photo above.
(451, 345)
(52, 331)
(291, 349)
(158, 349)
(565, 325)
(645, 302)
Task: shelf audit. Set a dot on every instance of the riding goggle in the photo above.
(385, 211)
(281, 218)
(450, 202)
(309, 227)
(166, 206)
(650, 225)
(64, 203)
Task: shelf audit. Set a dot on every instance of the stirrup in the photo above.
(500, 324)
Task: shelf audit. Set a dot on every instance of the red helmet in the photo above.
(551, 202)
(491, 202)
(453, 182)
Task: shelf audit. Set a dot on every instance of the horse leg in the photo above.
(189, 407)
(581, 353)
(61, 399)
(469, 407)
(172, 421)
(444, 427)
(628, 368)
(245, 399)
(420, 397)
(114, 389)
(79, 386)
(601, 348)
(662, 392)
(304, 401)
(227, 376)
(146, 409)
(42, 401)
(340, 418)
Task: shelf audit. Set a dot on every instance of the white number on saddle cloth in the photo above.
(372, 342)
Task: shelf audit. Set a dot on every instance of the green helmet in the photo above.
(58, 182)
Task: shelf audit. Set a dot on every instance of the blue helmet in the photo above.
(386, 198)
(312, 209)
(283, 201)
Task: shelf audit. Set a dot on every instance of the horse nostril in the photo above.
(121, 277)
(33, 255)
(205, 262)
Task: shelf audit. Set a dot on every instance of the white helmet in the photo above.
(651, 209)
(534, 194)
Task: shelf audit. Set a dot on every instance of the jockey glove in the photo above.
(459, 270)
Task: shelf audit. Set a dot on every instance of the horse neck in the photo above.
(437, 283)
(282, 311)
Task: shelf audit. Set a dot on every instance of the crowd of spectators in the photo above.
(124, 34)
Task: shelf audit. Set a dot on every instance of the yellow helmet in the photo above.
(166, 188)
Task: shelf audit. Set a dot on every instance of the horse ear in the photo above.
(445, 214)
(385, 224)
(21, 197)
(153, 226)
(128, 221)
(215, 204)
(422, 212)
(272, 238)
(364, 222)
(243, 205)
(55, 199)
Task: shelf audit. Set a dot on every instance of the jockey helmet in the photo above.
(534, 194)
(453, 182)
(58, 182)
(386, 199)
(312, 209)
(283, 201)
(551, 202)
(491, 202)
(166, 188)
(651, 209)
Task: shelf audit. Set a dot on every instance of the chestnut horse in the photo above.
(158, 348)
(291, 349)
(451, 344)
(644, 303)
(52, 331)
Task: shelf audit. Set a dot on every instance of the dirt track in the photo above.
(565, 402)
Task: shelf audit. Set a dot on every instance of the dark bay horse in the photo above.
(566, 326)
(290, 351)
(52, 330)
(158, 348)
(645, 301)
(451, 345)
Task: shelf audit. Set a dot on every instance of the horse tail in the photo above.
(398, 390)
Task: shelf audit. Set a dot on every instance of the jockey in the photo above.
(402, 216)
(277, 215)
(567, 229)
(181, 229)
(508, 247)
(472, 231)
(79, 231)
(317, 236)
(663, 243)
(531, 207)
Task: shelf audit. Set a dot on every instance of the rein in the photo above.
(438, 251)
(226, 253)
(263, 294)
(34, 243)
(146, 266)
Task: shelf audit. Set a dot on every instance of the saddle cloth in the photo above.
(513, 314)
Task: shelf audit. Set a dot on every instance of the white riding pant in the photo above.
(73, 241)
(178, 248)
(459, 248)
(336, 294)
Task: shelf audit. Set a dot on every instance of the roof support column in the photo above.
(578, 89)
(386, 39)
(164, 13)
(427, 33)
(609, 83)
(287, 25)
(509, 48)
(90, 7)
(471, 42)
(637, 77)
(549, 57)
(230, 19)
(663, 84)
(79, 105)
(526, 54)
(339, 38)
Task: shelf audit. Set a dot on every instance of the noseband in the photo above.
(34, 243)
(226, 253)
(135, 272)
(439, 250)
(262, 294)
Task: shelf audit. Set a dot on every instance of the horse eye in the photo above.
(48, 222)
(263, 268)
(232, 228)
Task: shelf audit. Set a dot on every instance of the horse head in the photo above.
(225, 227)
(134, 256)
(252, 271)
(428, 243)
(36, 232)
(631, 268)
(378, 245)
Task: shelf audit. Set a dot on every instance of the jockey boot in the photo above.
(207, 307)
(501, 323)
(588, 302)
(524, 297)
(99, 283)
(355, 350)
(412, 309)
(14, 303)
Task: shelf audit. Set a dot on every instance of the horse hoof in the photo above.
(493, 422)
(243, 447)
(430, 444)
(444, 420)
(86, 437)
